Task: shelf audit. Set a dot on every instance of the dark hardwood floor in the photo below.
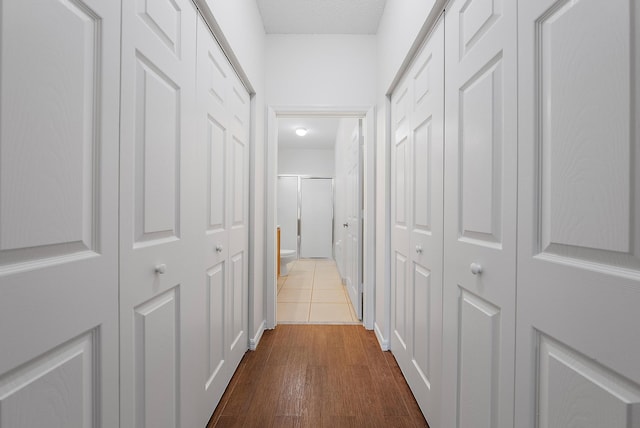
(318, 376)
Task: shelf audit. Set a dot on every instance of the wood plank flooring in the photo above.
(318, 376)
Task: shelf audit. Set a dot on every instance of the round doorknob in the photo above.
(476, 268)
(218, 248)
(161, 268)
(345, 224)
(419, 249)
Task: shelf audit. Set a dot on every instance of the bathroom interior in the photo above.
(311, 218)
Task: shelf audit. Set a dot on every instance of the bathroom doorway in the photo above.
(310, 287)
(285, 167)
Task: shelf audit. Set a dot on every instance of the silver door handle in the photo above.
(476, 268)
(419, 249)
(218, 248)
(161, 268)
(345, 224)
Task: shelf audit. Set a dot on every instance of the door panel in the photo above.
(479, 366)
(157, 371)
(401, 315)
(158, 246)
(157, 186)
(58, 213)
(480, 213)
(163, 18)
(216, 175)
(578, 269)
(216, 313)
(222, 226)
(480, 155)
(417, 234)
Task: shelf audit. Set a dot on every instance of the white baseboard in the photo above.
(384, 343)
(253, 343)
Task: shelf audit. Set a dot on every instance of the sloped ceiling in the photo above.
(321, 16)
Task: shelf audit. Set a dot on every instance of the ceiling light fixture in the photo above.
(301, 132)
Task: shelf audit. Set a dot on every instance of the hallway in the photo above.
(318, 376)
(312, 293)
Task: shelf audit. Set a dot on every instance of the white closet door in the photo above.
(223, 186)
(579, 190)
(158, 236)
(59, 81)
(480, 214)
(417, 234)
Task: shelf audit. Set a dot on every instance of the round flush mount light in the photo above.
(301, 132)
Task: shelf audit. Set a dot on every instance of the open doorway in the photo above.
(299, 165)
(313, 154)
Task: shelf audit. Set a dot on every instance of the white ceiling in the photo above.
(321, 16)
(322, 132)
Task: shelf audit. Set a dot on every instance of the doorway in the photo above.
(364, 120)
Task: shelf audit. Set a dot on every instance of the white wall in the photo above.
(329, 70)
(402, 26)
(241, 24)
(314, 162)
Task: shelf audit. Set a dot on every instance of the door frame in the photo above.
(367, 114)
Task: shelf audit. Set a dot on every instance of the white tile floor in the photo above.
(312, 293)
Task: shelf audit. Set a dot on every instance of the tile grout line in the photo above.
(313, 284)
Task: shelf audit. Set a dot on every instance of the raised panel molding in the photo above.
(480, 140)
(239, 177)
(216, 313)
(163, 18)
(157, 167)
(237, 296)
(157, 370)
(400, 181)
(582, 137)
(50, 133)
(59, 388)
(216, 175)
(478, 362)
(240, 104)
(422, 317)
(421, 81)
(400, 109)
(577, 391)
(422, 179)
(217, 79)
(476, 18)
(401, 316)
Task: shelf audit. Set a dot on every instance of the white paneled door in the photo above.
(480, 214)
(223, 218)
(159, 251)
(579, 190)
(416, 213)
(353, 225)
(58, 213)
